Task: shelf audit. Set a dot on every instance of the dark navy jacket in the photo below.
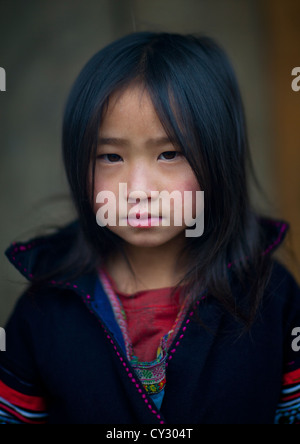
(64, 347)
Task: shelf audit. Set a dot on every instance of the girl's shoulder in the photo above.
(278, 310)
(42, 253)
(282, 284)
(52, 286)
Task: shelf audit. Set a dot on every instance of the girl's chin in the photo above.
(148, 237)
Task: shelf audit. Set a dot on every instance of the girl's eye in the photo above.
(110, 158)
(170, 155)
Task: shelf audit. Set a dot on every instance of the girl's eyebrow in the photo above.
(115, 141)
(118, 141)
(159, 141)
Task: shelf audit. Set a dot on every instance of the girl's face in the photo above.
(135, 151)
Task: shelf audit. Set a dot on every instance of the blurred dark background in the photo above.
(44, 44)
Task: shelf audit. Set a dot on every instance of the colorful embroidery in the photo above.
(17, 408)
(288, 411)
(119, 313)
(151, 374)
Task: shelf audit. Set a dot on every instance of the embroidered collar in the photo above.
(151, 374)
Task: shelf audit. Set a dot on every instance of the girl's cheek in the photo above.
(189, 185)
(191, 199)
(98, 187)
(103, 190)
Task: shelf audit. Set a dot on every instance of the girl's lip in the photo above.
(145, 221)
(142, 216)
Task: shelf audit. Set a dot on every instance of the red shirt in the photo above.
(150, 314)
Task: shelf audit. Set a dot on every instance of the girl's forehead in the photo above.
(130, 109)
(133, 96)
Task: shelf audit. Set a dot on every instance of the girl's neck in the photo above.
(156, 267)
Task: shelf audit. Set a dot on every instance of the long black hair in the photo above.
(195, 93)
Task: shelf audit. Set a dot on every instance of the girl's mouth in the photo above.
(144, 220)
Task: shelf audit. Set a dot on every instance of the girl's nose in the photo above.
(140, 184)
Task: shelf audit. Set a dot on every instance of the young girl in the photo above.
(128, 319)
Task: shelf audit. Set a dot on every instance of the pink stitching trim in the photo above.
(173, 351)
(86, 299)
(187, 322)
(87, 302)
(276, 242)
(128, 371)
